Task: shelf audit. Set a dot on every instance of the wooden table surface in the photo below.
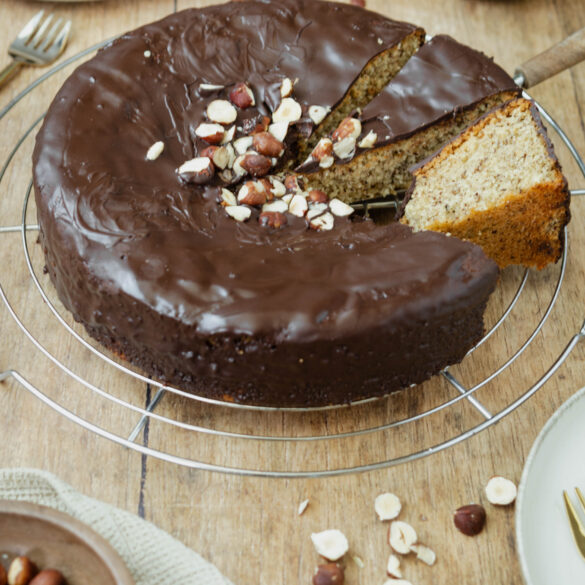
(249, 526)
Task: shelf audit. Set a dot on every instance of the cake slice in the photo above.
(498, 185)
(443, 88)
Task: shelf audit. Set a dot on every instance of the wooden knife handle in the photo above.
(563, 55)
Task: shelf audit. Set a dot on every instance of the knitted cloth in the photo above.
(152, 556)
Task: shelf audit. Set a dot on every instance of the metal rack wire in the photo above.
(201, 433)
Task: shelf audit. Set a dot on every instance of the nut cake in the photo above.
(176, 232)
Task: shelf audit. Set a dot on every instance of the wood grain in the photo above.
(249, 526)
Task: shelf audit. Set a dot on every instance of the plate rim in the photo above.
(540, 438)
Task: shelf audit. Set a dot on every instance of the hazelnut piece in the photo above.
(276, 205)
(198, 170)
(318, 196)
(323, 153)
(266, 144)
(221, 112)
(220, 155)
(3, 576)
(238, 212)
(393, 567)
(329, 574)
(242, 96)
(48, 577)
(323, 223)
(303, 506)
(273, 219)
(279, 130)
(255, 124)
(227, 198)
(424, 553)
(401, 536)
(257, 165)
(21, 571)
(361, 3)
(344, 148)
(289, 110)
(369, 140)
(318, 113)
(470, 519)
(293, 184)
(211, 133)
(241, 145)
(500, 491)
(330, 544)
(155, 150)
(348, 128)
(286, 88)
(387, 506)
(298, 205)
(252, 193)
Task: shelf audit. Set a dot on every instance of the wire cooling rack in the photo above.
(73, 375)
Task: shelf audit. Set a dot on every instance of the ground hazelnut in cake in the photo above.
(442, 89)
(174, 234)
(499, 185)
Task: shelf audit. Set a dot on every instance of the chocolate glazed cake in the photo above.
(168, 239)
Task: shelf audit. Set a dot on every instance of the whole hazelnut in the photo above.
(470, 519)
(21, 571)
(257, 165)
(242, 96)
(3, 576)
(266, 144)
(329, 574)
(48, 577)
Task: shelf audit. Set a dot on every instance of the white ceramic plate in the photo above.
(548, 555)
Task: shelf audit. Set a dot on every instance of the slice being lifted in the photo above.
(498, 185)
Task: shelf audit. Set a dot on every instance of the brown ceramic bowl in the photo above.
(55, 540)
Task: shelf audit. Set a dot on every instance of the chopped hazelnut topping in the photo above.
(155, 150)
(239, 212)
(289, 110)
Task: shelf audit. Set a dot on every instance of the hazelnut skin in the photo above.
(329, 574)
(49, 577)
(470, 519)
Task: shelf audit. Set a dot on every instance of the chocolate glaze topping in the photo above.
(441, 79)
(154, 267)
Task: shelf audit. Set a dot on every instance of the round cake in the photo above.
(175, 234)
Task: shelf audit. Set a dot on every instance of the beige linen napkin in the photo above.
(152, 556)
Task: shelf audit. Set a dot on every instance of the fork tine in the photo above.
(60, 41)
(577, 527)
(51, 35)
(30, 27)
(40, 34)
(580, 496)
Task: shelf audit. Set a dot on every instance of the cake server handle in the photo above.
(561, 56)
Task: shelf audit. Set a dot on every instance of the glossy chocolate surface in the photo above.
(441, 79)
(154, 267)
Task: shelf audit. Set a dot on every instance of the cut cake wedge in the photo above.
(499, 185)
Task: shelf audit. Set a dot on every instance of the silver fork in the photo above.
(38, 43)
